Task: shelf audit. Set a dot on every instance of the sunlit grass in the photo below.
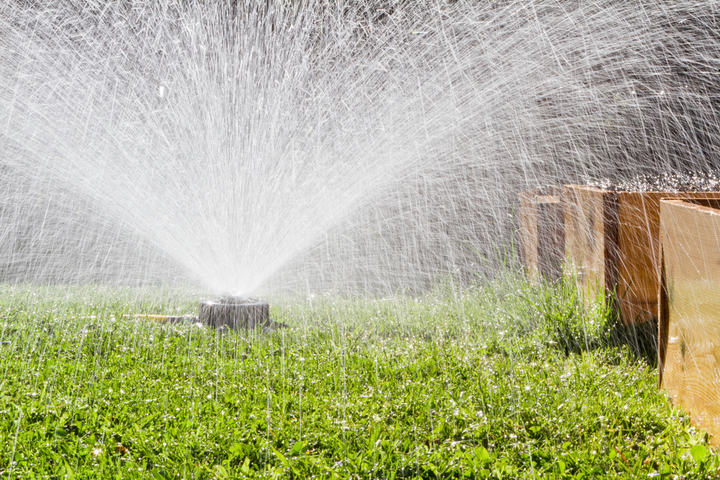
(505, 380)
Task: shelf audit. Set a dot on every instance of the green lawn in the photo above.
(501, 381)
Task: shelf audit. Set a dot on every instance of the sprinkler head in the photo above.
(234, 312)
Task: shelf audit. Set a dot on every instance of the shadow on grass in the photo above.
(575, 326)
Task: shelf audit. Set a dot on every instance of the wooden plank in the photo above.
(527, 223)
(639, 255)
(689, 327)
(542, 237)
(590, 238)
(612, 243)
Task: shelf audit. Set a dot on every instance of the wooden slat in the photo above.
(639, 255)
(527, 223)
(541, 235)
(689, 353)
(590, 238)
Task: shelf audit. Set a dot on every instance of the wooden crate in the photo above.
(689, 326)
(612, 244)
(542, 234)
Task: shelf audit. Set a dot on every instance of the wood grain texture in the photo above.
(612, 243)
(689, 327)
(542, 235)
(590, 238)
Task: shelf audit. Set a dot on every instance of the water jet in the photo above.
(309, 128)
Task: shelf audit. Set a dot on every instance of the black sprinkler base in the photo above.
(235, 313)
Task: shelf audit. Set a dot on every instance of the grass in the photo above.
(505, 380)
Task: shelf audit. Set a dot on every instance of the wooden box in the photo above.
(689, 326)
(612, 243)
(542, 234)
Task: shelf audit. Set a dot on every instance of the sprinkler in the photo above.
(235, 313)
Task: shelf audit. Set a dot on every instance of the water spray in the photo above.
(332, 146)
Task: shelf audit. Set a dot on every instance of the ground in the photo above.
(504, 380)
